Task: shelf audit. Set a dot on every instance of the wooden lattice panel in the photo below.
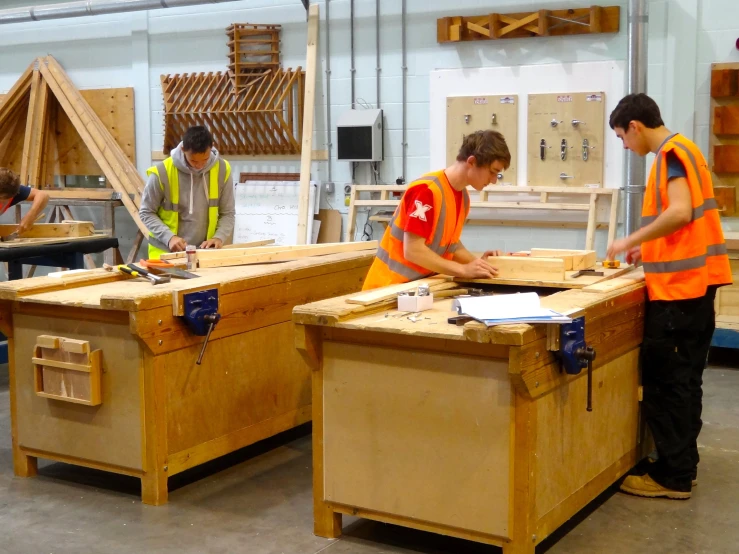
(254, 50)
(264, 118)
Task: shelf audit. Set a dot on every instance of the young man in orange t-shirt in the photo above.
(430, 232)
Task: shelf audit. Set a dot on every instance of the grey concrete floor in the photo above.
(258, 501)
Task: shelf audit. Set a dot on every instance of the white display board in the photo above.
(269, 210)
(606, 76)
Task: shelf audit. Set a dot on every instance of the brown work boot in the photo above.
(644, 485)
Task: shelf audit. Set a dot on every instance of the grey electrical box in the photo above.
(359, 136)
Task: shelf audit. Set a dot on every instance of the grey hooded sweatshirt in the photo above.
(192, 206)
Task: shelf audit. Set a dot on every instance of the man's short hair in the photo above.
(487, 147)
(197, 140)
(10, 183)
(636, 107)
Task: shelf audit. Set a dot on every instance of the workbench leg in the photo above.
(154, 488)
(519, 548)
(326, 522)
(308, 341)
(24, 465)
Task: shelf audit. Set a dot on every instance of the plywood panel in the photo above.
(467, 114)
(75, 430)
(574, 446)
(546, 109)
(114, 107)
(722, 76)
(445, 419)
(244, 379)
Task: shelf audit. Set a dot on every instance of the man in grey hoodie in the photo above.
(189, 197)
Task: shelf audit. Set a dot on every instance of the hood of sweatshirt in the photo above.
(178, 157)
(196, 176)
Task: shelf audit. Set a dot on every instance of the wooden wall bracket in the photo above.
(541, 23)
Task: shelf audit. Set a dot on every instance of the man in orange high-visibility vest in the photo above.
(423, 236)
(681, 246)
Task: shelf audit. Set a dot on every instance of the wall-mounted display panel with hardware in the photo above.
(467, 114)
(565, 139)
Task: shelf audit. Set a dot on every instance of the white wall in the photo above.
(685, 37)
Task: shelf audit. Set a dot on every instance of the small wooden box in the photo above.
(66, 370)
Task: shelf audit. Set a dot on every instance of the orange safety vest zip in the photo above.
(390, 266)
(683, 264)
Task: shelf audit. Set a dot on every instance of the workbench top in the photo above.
(100, 289)
(385, 318)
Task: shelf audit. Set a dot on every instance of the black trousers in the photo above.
(677, 336)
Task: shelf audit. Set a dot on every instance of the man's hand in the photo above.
(177, 244)
(489, 253)
(212, 243)
(633, 255)
(617, 247)
(478, 269)
(25, 224)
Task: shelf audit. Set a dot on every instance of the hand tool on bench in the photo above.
(136, 271)
(588, 272)
(14, 235)
(611, 264)
(162, 266)
(155, 279)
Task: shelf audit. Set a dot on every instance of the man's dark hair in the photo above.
(636, 107)
(197, 140)
(486, 147)
(10, 183)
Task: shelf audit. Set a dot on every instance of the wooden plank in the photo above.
(726, 120)
(308, 114)
(574, 259)
(318, 249)
(515, 267)
(52, 230)
(248, 258)
(633, 278)
(724, 82)
(392, 291)
(726, 200)
(242, 245)
(726, 159)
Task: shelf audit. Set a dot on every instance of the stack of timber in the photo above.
(158, 412)
(724, 136)
(29, 115)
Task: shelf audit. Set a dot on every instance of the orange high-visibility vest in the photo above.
(390, 266)
(682, 265)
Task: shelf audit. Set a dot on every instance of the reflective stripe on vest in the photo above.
(168, 212)
(682, 265)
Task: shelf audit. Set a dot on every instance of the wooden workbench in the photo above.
(468, 431)
(160, 413)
